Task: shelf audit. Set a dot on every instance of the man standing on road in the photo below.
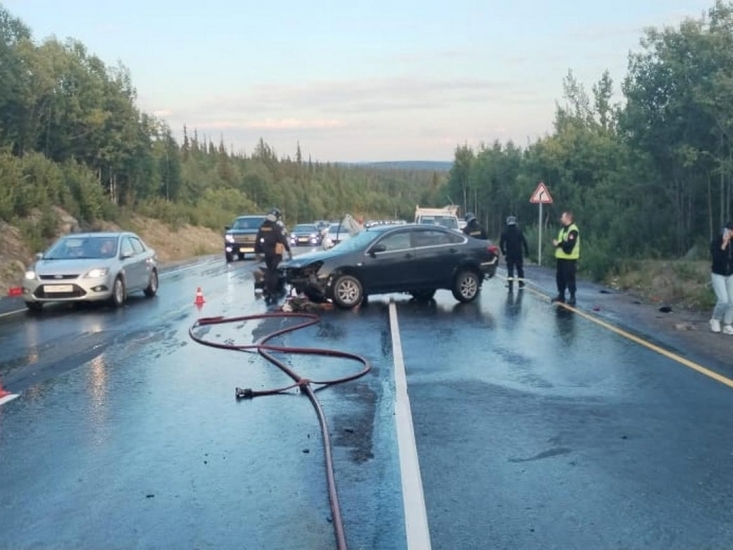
(513, 244)
(473, 228)
(567, 253)
(272, 242)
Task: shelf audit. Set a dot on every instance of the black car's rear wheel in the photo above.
(466, 286)
(347, 291)
(423, 295)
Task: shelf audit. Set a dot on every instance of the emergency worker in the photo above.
(272, 242)
(513, 245)
(473, 228)
(567, 253)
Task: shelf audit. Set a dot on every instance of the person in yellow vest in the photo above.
(567, 253)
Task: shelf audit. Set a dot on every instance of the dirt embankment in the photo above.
(171, 245)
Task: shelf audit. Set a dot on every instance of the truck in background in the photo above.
(446, 216)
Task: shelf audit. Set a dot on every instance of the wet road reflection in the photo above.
(535, 428)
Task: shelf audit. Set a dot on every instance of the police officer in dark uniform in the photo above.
(272, 242)
(473, 228)
(512, 243)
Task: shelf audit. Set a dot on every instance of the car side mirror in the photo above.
(39, 255)
(377, 248)
(227, 228)
(125, 255)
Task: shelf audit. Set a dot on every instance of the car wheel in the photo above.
(153, 285)
(466, 286)
(118, 292)
(347, 291)
(229, 258)
(34, 306)
(423, 295)
(241, 257)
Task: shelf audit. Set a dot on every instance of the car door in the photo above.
(438, 252)
(389, 265)
(142, 267)
(130, 264)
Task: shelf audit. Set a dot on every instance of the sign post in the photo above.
(540, 196)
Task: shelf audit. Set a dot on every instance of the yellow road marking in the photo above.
(686, 362)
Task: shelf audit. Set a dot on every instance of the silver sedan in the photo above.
(91, 267)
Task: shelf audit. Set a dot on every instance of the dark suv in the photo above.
(239, 239)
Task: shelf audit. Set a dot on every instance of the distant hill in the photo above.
(430, 165)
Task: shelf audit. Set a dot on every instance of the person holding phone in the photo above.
(721, 251)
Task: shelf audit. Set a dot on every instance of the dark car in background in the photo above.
(239, 239)
(410, 258)
(305, 234)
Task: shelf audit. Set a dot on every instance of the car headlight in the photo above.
(97, 272)
(229, 238)
(30, 275)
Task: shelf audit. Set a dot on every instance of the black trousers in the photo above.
(565, 276)
(511, 263)
(272, 260)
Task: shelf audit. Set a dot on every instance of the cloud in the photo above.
(382, 117)
(365, 95)
(163, 113)
(273, 124)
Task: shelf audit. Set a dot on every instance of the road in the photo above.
(535, 427)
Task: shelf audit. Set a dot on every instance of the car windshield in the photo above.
(83, 248)
(248, 223)
(358, 241)
(305, 228)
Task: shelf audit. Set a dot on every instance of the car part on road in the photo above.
(305, 385)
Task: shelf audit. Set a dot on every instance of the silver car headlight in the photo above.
(30, 275)
(96, 273)
(229, 238)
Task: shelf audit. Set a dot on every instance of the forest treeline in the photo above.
(648, 175)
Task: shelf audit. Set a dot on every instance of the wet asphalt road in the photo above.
(535, 428)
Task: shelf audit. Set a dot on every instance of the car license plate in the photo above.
(303, 240)
(244, 249)
(58, 288)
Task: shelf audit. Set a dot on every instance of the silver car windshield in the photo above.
(83, 248)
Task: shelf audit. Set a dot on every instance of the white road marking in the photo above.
(8, 398)
(413, 499)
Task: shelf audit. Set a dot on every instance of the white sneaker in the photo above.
(727, 329)
(714, 325)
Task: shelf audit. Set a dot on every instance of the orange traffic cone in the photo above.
(199, 301)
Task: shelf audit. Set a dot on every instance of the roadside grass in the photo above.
(681, 283)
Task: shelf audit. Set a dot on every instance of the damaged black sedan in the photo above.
(414, 259)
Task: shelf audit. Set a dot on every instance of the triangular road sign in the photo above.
(541, 195)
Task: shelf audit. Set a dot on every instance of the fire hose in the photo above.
(304, 385)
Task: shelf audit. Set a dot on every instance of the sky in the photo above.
(354, 80)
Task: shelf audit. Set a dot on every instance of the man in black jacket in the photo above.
(512, 243)
(473, 228)
(272, 242)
